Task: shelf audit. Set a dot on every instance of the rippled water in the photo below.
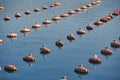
(59, 62)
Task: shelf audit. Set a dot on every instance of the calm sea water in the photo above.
(59, 62)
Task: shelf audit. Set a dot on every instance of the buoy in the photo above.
(29, 59)
(1, 8)
(10, 68)
(110, 16)
(115, 13)
(56, 19)
(89, 27)
(97, 2)
(95, 60)
(70, 37)
(93, 3)
(36, 26)
(6, 18)
(84, 7)
(57, 4)
(17, 15)
(78, 10)
(12, 35)
(115, 44)
(98, 23)
(81, 70)
(44, 49)
(59, 43)
(44, 7)
(106, 51)
(65, 15)
(36, 10)
(25, 29)
(47, 22)
(89, 5)
(63, 78)
(81, 31)
(104, 20)
(27, 12)
(71, 12)
(1, 41)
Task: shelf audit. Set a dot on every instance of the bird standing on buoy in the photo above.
(17, 15)
(44, 49)
(89, 27)
(25, 29)
(6, 18)
(106, 51)
(81, 70)
(95, 60)
(47, 22)
(115, 44)
(56, 19)
(12, 35)
(29, 59)
(57, 4)
(80, 31)
(44, 7)
(27, 12)
(71, 12)
(36, 10)
(70, 37)
(78, 10)
(65, 15)
(59, 43)
(98, 23)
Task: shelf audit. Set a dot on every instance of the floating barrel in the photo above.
(115, 44)
(71, 12)
(98, 23)
(27, 12)
(10, 68)
(6, 18)
(89, 27)
(25, 29)
(29, 58)
(80, 31)
(44, 49)
(95, 60)
(59, 43)
(106, 51)
(36, 10)
(81, 70)
(70, 37)
(44, 7)
(65, 15)
(12, 35)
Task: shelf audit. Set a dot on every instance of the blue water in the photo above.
(59, 62)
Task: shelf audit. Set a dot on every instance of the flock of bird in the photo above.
(44, 50)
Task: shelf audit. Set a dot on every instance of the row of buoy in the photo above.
(95, 60)
(107, 18)
(28, 12)
(48, 22)
(80, 70)
(56, 18)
